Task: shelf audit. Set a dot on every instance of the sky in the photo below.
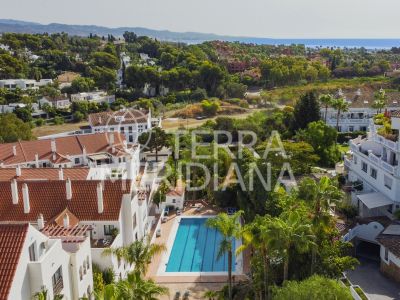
(253, 18)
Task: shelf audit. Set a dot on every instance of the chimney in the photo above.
(14, 150)
(53, 146)
(111, 138)
(40, 222)
(18, 171)
(60, 173)
(37, 160)
(84, 153)
(66, 221)
(14, 191)
(68, 189)
(100, 204)
(25, 196)
(100, 120)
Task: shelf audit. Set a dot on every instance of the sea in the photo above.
(370, 44)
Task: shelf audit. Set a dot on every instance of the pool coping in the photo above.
(170, 242)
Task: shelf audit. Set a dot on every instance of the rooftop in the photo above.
(12, 238)
(364, 97)
(49, 198)
(26, 151)
(128, 116)
(7, 174)
(390, 239)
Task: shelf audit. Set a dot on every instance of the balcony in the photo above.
(102, 243)
(58, 286)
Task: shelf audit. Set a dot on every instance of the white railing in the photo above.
(347, 162)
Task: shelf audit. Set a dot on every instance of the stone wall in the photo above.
(391, 270)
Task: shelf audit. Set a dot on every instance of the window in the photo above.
(388, 182)
(122, 129)
(386, 254)
(77, 161)
(130, 139)
(173, 200)
(374, 173)
(57, 281)
(351, 128)
(108, 229)
(355, 159)
(130, 128)
(364, 167)
(32, 252)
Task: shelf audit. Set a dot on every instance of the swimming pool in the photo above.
(195, 248)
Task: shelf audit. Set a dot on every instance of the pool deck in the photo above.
(196, 284)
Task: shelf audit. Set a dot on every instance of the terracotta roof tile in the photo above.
(7, 174)
(129, 116)
(12, 238)
(49, 198)
(70, 145)
(395, 114)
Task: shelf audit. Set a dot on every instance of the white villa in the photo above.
(129, 122)
(23, 84)
(373, 168)
(60, 102)
(106, 154)
(95, 97)
(33, 261)
(360, 110)
(115, 211)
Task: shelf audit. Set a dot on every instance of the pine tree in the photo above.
(306, 110)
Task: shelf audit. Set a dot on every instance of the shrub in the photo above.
(39, 122)
(58, 120)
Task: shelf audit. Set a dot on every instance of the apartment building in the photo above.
(114, 210)
(107, 154)
(32, 261)
(360, 109)
(94, 97)
(59, 102)
(373, 168)
(129, 122)
(23, 84)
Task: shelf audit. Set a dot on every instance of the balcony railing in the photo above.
(58, 286)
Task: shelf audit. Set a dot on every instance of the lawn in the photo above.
(287, 95)
(54, 129)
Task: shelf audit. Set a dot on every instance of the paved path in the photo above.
(374, 284)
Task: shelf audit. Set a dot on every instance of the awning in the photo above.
(374, 200)
(99, 157)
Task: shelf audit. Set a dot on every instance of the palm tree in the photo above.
(230, 228)
(286, 232)
(320, 195)
(380, 100)
(255, 235)
(135, 287)
(110, 292)
(139, 253)
(341, 105)
(326, 100)
(42, 295)
(211, 295)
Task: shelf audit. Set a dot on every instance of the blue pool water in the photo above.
(195, 249)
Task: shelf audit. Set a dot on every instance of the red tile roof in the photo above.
(70, 145)
(129, 116)
(49, 198)
(178, 190)
(7, 174)
(12, 238)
